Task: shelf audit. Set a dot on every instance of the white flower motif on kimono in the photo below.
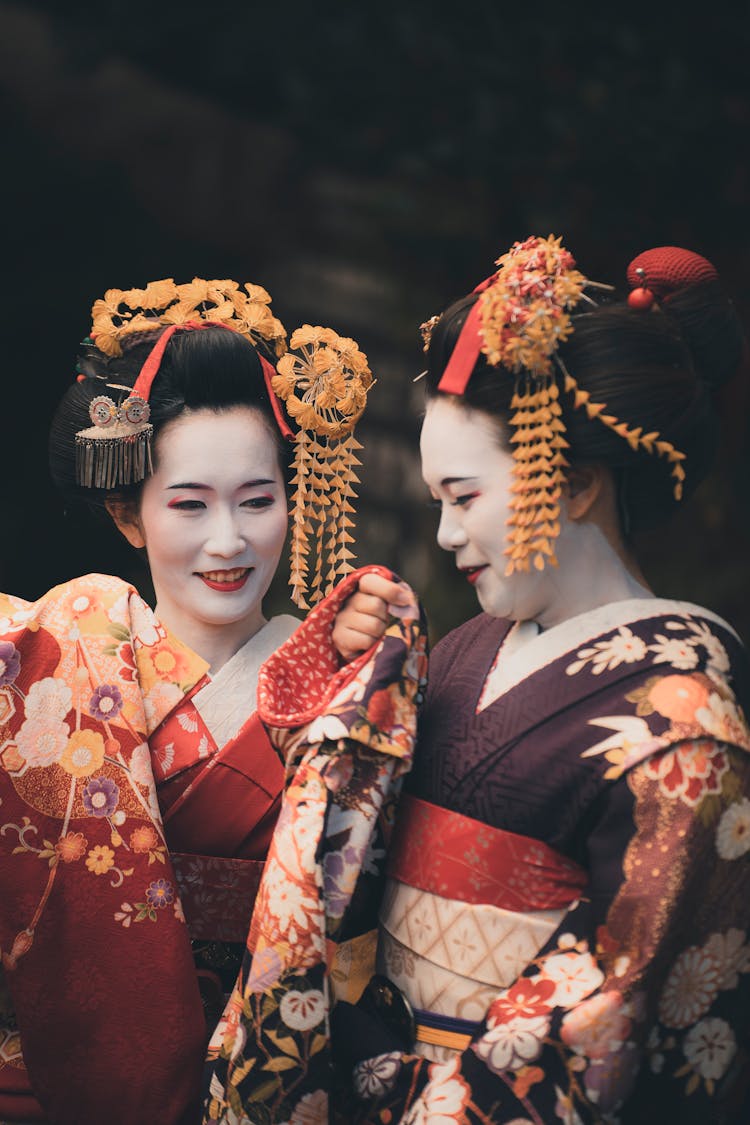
(672, 650)
(48, 698)
(303, 1011)
(374, 1077)
(733, 832)
(311, 1110)
(732, 956)
(41, 741)
(162, 699)
(119, 610)
(17, 621)
(621, 648)
(690, 988)
(443, 1099)
(292, 910)
(722, 719)
(718, 660)
(710, 1047)
(146, 629)
(512, 1044)
(354, 690)
(576, 975)
(326, 728)
(140, 765)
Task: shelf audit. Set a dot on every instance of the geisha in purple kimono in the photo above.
(567, 912)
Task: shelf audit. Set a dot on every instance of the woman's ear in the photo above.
(125, 519)
(583, 489)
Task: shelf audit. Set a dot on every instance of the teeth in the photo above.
(225, 575)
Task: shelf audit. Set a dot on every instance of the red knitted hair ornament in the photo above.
(663, 271)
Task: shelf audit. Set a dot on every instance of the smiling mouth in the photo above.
(471, 573)
(226, 580)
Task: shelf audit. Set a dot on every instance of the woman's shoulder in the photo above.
(84, 593)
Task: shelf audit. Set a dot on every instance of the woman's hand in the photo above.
(364, 616)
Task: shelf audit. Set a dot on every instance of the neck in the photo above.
(591, 573)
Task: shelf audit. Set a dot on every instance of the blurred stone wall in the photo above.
(366, 164)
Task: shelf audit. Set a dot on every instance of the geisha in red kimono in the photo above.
(566, 920)
(138, 790)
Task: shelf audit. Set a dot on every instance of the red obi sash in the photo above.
(457, 857)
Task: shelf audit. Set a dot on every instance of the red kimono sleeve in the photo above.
(95, 954)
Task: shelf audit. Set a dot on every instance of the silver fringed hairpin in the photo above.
(116, 449)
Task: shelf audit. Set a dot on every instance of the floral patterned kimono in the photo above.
(568, 903)
(133, 839)
(100, 1013)
(110, 843)
(347, 737)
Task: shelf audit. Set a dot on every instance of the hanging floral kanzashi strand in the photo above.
(323, 380)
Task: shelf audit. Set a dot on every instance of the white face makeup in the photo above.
(213, 518)
(469, 473)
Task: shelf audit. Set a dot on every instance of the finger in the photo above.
(351, 642)
(365, 623)
(396, 593)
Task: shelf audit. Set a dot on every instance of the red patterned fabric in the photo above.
(98, 994)
(217, 894)
(302, 677)
(448, 854)
(243, 779)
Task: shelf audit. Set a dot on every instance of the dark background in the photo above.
(366, 164)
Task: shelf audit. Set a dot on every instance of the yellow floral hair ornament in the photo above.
(323, 381)
(116, 449)
(519, 320)
(125, 312)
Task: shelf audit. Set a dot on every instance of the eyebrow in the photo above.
(207, 488)
(446, 481)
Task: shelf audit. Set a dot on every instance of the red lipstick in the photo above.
(226, 587)
(471, 573)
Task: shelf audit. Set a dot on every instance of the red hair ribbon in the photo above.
(464, 356)
(268, 373)
(147, 374)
